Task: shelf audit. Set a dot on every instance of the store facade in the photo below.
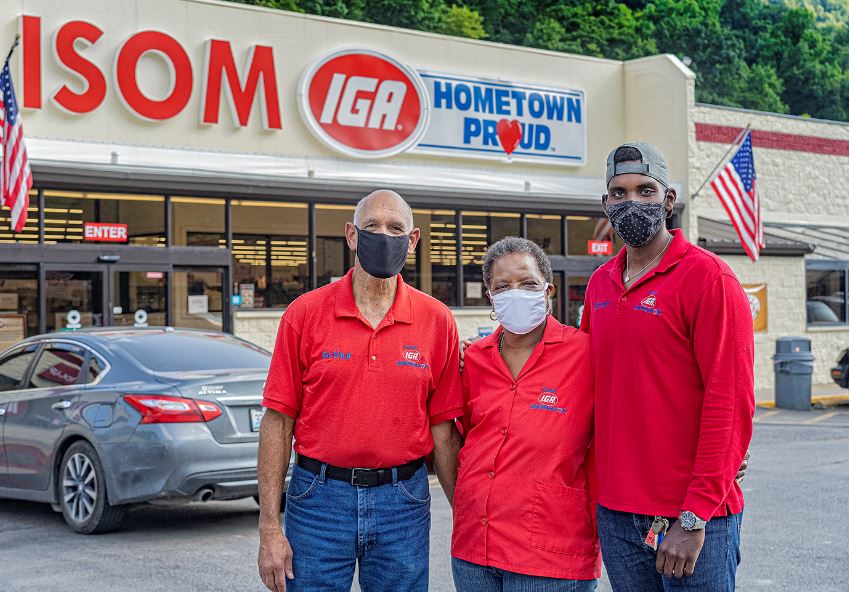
(195, 164)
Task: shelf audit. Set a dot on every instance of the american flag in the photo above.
(15, 174)
(735, 186)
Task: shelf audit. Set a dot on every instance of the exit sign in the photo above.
(107, 233)
(595, 247)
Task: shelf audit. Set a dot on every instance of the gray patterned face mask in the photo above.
(636, 222)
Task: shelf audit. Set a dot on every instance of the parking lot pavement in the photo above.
(794, 529)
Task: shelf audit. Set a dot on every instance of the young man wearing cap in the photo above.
(365, 375)
(672, 347)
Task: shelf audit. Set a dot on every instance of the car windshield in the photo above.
(190, 351)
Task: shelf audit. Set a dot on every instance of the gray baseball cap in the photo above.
(651, 163)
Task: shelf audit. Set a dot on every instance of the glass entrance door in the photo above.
(139, 297)
(74, 299)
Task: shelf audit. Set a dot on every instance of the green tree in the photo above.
(462, 21)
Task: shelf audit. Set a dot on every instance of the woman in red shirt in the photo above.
(524, 517)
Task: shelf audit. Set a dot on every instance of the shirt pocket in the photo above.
(561, 521)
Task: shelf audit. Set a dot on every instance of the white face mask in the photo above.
(521, 311)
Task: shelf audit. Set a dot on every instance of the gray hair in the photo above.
(408, 211)
(514, 244)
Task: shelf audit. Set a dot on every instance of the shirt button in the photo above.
(484, 521)
(624, 298)
(504, 431)
(513, 388)
(491, 475)
(373, 358)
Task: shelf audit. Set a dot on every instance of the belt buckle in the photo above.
(354, 475)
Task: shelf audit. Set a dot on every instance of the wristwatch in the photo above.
(690, 521)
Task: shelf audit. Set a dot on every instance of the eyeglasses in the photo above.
(528, 286)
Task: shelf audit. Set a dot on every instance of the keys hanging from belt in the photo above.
(657, 531)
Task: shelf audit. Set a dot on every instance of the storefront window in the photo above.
(18, 304)
(74, 300)
(546, 231)
(436, 255)
(198, 222)
(333, 258)
(270, 264)
(67, 212)
(197, 298)
(139, 298)
(481, 229)
(581, 230)
(826, 302)
(29, 233)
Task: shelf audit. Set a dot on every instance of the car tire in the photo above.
(282, 501)
(81, 489)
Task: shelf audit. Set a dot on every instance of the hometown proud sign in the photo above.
(366, 104)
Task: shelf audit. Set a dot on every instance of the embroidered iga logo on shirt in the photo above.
(649, 304)
(547, 401)
(411, 356)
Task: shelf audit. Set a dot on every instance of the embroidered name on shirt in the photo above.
(601, 304)
(335, 355)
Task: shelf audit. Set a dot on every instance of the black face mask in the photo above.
(636, 222)
(381, 255)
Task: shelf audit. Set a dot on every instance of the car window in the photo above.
(58, 365)
(193, 351)
(95, 369)
(13, 367)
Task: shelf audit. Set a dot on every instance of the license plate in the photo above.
(256, 419)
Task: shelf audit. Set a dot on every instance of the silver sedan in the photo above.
(95, 420)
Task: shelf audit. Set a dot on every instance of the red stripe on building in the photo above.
(723, 134)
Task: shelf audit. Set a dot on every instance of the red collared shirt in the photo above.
(362, 396)
(673, 360)
(522, 501)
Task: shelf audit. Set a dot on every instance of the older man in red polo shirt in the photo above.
(365, 375)
(672, 348)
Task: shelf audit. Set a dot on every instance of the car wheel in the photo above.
(82, 492)
(282, 501)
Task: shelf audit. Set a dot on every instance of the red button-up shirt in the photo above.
(362, 396)
(522, 501)
(673, 359)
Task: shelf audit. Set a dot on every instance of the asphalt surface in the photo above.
(794, 530)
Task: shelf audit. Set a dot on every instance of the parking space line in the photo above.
(820, 418)
(765, 415)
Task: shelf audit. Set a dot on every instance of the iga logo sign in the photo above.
(363, 103)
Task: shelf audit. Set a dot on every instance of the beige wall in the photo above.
(796, 187)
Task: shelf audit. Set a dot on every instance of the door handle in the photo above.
(60, 405)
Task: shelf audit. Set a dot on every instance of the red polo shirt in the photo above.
(521, 501)
(362, 396)
(673, 361)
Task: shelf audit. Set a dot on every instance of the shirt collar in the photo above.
(553, 333)
(678, 246)
(400, 311)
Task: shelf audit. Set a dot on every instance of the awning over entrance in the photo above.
(721, 238)
(831, 242)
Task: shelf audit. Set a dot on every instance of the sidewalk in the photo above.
(822, 395)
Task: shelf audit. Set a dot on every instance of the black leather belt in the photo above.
(361, 477)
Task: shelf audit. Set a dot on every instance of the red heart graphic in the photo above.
(509, 134)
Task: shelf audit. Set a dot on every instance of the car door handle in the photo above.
(60, 405)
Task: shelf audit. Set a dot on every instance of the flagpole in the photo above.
(734, 144)
(14, 45)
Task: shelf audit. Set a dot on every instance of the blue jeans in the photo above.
(471, 577)
(332, 525)
(630, 562)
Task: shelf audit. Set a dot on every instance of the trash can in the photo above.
(794, 365)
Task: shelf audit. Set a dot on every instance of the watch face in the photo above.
(688, 520)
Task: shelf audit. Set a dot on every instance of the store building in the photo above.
(195, 162)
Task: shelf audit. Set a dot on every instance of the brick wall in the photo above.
(801, 165)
